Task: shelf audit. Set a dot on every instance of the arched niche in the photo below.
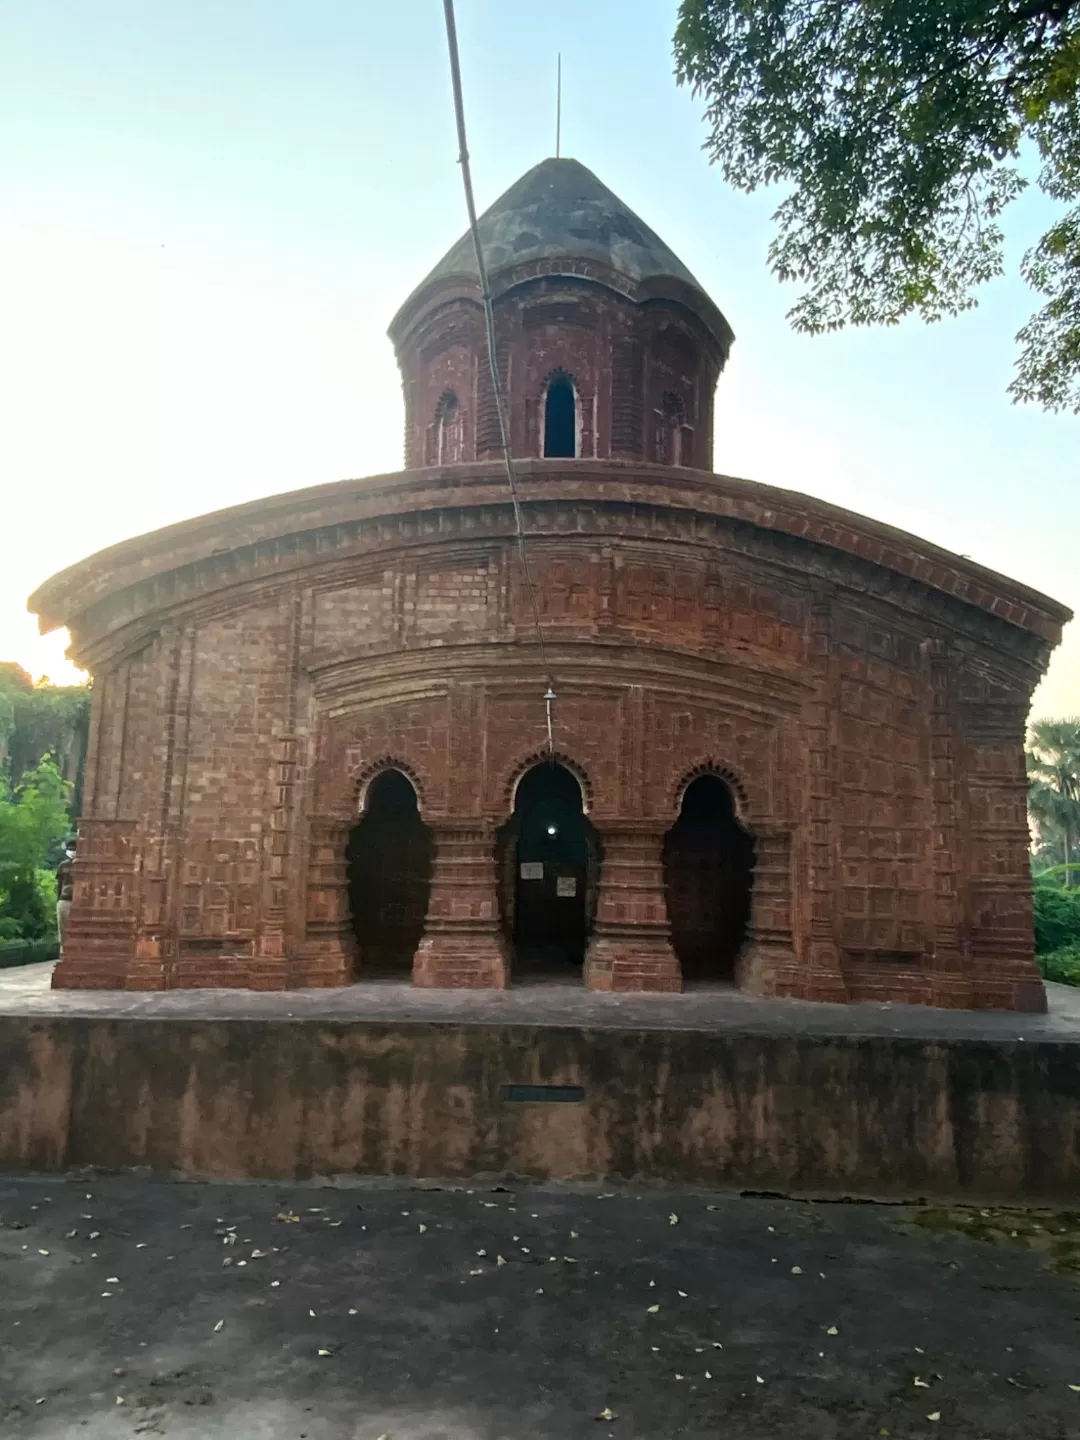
(389, 863)
(708, 861)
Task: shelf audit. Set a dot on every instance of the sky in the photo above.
(210, 212)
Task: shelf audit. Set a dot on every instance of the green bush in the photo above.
(1057, 918)
(27, 952)
(1062, 965)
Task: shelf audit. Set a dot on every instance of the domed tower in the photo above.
(608, 346)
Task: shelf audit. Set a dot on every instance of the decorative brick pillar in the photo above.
(462, 947)
(100, 947)
(631, 944)
(328, 953)
(767, 963)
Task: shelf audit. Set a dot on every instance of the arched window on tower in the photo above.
(674, 437)
(560, 418)
(446, 435)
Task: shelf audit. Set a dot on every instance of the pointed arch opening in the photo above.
(674, 436)
(389, 861)
(449, 431)
(708, 863)
(549, 860)
(560, 418)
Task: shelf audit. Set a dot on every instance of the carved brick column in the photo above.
(462, 947)
(950, 964)
(328, 953)
(822, 977)
(997, 893)
(631, 944)
(767, 964)
(99, 950)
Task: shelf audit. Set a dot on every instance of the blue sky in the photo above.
(211, 211)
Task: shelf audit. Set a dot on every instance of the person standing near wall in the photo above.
(65, 888)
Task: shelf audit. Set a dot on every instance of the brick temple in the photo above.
(787, 742)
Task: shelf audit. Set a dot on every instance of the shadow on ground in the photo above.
(133, 1307)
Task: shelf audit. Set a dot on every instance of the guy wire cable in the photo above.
(493, 363)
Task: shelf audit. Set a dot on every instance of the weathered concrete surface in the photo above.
(356, 1313)
(762, 1105)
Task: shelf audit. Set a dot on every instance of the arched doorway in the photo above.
(389, 872)
(549, 862)
(708, 873)
(560, 418)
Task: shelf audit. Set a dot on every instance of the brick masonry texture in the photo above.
(862, 694)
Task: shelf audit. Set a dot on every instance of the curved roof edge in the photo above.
(72, 592)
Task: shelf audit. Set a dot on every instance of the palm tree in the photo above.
(1053, 765)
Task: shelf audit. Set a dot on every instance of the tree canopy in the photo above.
(41, 719)
(34, 822)
(897, 128)
(1053, 764)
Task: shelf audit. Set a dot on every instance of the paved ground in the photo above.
(25, 991)
(132, 1307)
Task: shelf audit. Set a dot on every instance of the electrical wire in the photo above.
(493, 363)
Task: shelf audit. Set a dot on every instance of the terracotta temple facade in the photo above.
(786, 746)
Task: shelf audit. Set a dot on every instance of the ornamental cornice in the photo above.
(180, 568)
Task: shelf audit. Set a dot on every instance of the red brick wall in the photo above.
(870, 729)
(624, 359)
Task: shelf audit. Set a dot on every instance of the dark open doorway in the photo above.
(389, 872)
(708, 873)
(549, 861)
(560, 418)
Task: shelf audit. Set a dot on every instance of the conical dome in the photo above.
(559, 210)
(608, 345)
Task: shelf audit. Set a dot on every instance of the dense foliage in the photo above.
(34, 822)
(1053, 765)
(41, 719)
(1053, 760)
(43, 732)
(896, 128)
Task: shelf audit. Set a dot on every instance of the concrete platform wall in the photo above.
(895, 1117)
